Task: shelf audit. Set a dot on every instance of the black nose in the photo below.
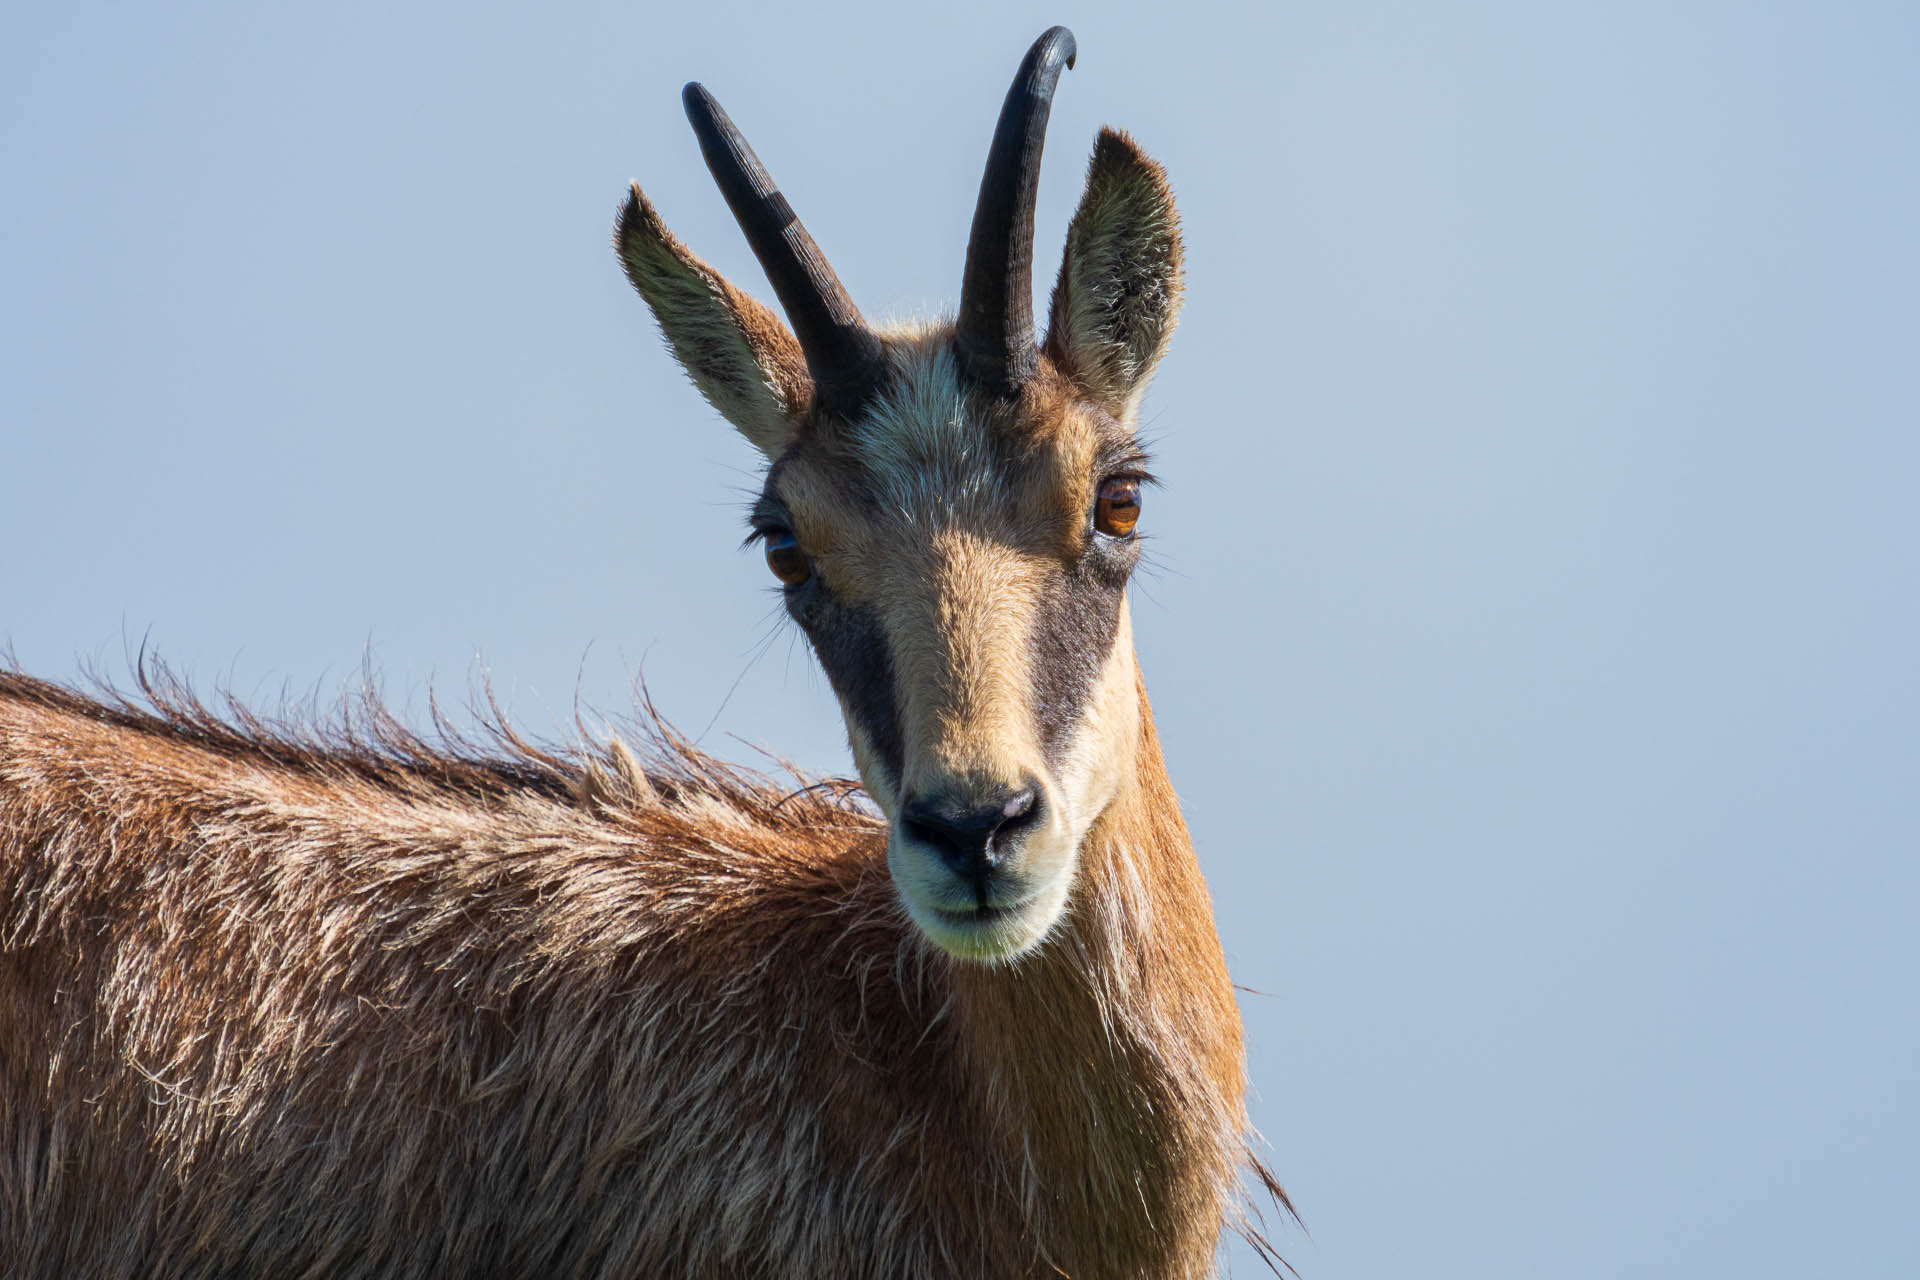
(972, 836)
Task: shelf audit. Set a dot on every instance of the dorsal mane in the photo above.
(641, 768)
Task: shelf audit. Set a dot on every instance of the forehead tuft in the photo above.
(930, 451)
(923, 437)
(930, 442)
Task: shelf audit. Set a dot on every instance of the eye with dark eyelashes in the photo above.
(785, 558)
(1117, 509)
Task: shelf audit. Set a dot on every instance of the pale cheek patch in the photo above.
(881, 783)
(1100, 749)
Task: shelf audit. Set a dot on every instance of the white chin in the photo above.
(993, 935)
(937, 904)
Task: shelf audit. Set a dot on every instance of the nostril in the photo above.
(971, 839)
(930, 829)
(1019, 813)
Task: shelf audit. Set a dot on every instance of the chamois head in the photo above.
(951, 508)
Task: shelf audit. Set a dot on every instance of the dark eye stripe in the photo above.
(1073, 632)
(853, 651)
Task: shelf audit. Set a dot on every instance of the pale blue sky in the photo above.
(1535, 604)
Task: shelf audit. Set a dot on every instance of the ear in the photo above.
(1118, 296)
(741, 357)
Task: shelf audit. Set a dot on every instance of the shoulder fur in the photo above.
(661, 775)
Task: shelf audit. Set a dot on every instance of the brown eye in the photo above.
(1118, 508)
(786, 559)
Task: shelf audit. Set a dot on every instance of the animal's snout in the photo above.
(973, 834)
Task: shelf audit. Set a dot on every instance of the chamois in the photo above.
(280, 1001)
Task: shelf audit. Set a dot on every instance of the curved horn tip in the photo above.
(994, 325)
(1064, 45)
(695, 98)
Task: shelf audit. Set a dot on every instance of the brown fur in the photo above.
(1118, 295)
(284, 1003)
(367, 1007)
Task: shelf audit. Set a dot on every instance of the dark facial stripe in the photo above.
(1073, 633)
(853, 652)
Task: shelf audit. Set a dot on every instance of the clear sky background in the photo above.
(1536, 585)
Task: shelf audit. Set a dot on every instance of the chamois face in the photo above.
(949, 557)
(951, 511)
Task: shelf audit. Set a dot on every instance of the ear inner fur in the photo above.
(1117, 297)
(741, 357)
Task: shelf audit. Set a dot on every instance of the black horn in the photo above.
(843, 354)
(995, 329)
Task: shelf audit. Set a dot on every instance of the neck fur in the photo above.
(1113, 1055)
